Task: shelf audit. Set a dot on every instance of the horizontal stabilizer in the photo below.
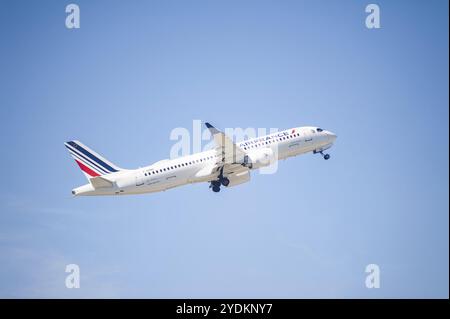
(100, 182)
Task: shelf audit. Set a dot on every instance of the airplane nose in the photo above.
(332, 136)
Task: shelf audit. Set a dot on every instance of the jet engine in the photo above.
(239, 178)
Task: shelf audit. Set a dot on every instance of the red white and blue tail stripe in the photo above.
(91, 163)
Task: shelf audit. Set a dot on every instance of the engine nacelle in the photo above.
(259, 158)
(239, 178)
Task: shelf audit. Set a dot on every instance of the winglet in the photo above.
(212, 129)
(231, 153)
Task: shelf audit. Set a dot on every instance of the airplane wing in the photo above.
(231, 153)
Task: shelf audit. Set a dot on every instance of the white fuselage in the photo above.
(199, 167)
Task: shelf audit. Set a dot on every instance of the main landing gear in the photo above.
(215, 185)
(225, 181)
(325, 156)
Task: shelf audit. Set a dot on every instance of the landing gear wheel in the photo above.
(215, 183)
(225, 181)
(326, 157)
(216, 189)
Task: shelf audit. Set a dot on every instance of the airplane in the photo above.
(228, 164)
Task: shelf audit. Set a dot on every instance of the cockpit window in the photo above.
(319, 129)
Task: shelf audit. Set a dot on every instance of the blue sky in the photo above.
(137, 69)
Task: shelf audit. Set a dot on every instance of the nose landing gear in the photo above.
(325, 156)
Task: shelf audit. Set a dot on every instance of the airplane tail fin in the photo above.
(91, 163)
